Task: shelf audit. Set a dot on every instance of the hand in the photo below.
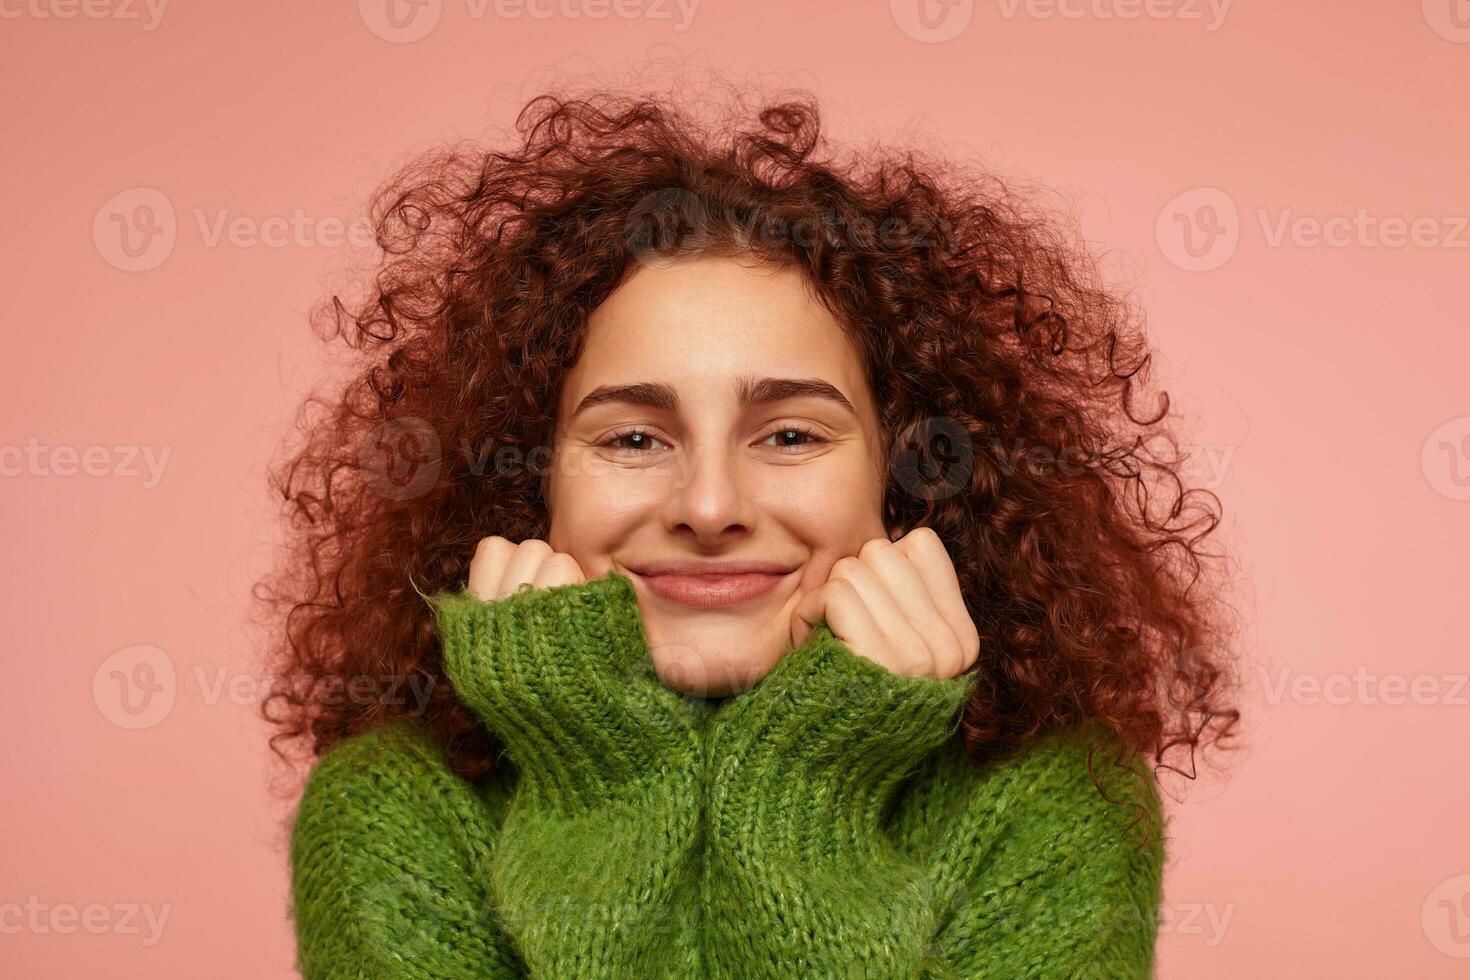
(501, 566)
(591, 859)
(558, 667)
(898, 603)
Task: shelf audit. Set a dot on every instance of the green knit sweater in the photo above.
(825, 823)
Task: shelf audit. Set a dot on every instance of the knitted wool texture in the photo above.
(825, 823)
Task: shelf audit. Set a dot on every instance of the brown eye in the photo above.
(794, 437)
(633, 440)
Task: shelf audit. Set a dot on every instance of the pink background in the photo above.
(1326, 380)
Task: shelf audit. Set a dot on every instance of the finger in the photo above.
(559, 569)
(839, 604)
(811, 609)
(487, 568)
(904, 651)
(911, 594)
(523, 565)
(931, 559)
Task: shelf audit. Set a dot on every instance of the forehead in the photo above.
(706, 321)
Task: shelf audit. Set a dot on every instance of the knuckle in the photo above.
(952, 655)
(562, 563)
(926, 535)
(926, 541)
(840, 590)
(493, 547)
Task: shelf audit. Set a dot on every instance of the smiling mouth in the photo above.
(710, 591)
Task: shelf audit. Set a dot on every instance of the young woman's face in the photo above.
(699, 462)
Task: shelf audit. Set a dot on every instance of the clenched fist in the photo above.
(898, 603)
(501, 566)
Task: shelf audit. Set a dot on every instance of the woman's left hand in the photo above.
(898, 603)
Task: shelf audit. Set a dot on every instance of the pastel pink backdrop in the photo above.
(1200, 146)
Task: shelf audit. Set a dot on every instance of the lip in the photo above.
(711, 584)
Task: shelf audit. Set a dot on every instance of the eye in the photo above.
(637, 441)
(639, 437)
(786, 432)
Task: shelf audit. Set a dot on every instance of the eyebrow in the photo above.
(749, 391)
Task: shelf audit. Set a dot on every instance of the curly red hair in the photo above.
(990, 344)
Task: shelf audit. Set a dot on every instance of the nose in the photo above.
(711, 501)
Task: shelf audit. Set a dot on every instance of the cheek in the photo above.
(592, 512)
(832, 517)
(829, 515)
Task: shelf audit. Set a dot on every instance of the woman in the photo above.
(728, 562)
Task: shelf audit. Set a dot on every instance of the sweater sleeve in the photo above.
(388, 856)
(815, 870)
(597, 859)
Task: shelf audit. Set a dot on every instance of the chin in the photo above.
(699, 671)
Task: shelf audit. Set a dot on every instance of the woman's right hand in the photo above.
(558, 667)
(501, 566)
(590, 876)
